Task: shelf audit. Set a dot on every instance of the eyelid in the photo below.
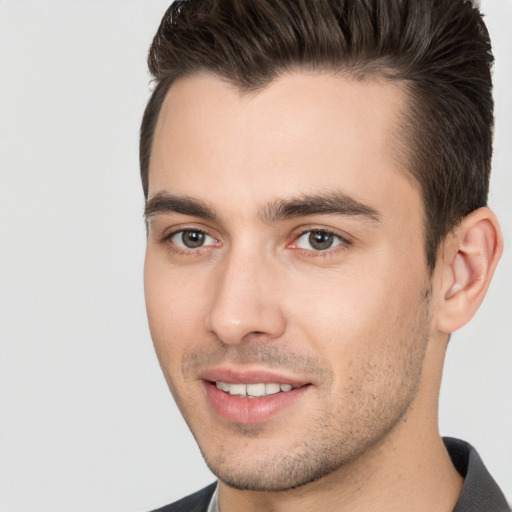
(345, 241)
(170, 231)
(168, 235)
(181, 244)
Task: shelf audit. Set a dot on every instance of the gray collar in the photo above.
(214, 502)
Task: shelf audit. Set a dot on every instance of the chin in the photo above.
(277, 479)
(277, 470)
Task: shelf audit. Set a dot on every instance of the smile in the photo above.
(252, 403)
(257, 390)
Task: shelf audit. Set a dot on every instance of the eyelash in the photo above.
(343, 244)
(167, 241)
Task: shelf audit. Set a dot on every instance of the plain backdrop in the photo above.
(87, 422)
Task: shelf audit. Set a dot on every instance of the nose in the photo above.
(246, 301)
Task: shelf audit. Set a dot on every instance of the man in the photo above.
(316, 176)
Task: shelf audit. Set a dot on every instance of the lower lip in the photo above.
(250, 410)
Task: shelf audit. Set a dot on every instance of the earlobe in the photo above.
(469, 259)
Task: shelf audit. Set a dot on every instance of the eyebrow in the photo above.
(336, 203)
(162, 203)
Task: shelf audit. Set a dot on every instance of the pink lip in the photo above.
(249, 410)
(232, 376)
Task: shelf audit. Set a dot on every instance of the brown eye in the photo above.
(318, 240)
(192, 239)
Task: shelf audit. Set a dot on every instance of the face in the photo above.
(285, 276)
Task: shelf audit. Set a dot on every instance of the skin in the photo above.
(361, 322)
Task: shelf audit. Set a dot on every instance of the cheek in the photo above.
(175, 303)
(358, 316)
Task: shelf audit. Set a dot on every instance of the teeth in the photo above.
(253, 390)
(272, 389)
(256, 389)
(237, 389)
(223, 386)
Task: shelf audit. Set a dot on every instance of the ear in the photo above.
(468, 259)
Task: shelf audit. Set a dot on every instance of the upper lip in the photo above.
(249, 376)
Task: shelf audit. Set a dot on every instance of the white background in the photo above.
(87, 423)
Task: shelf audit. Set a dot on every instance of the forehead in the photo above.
(309, 131)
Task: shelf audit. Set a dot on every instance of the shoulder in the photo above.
(480, 493)
(197, 502)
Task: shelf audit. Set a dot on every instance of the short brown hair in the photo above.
(439, 49)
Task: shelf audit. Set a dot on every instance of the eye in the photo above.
(318, 240)
(192, 239)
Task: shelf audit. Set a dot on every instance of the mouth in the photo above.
(257, 390)
(251, 397)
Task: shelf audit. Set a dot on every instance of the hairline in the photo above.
(363, 73)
